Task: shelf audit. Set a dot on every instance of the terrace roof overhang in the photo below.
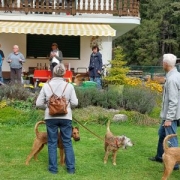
(53, 28)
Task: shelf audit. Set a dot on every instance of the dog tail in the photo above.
(165, 147)
(108, 124)
(36, 126)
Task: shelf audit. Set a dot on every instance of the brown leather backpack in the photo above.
(57, 105)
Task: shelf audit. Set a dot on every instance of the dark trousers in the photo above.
(16, 74)
(163, 132)
(65, 126)
(52, 67)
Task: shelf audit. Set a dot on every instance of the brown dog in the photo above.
(113, 143)
(170, 157)
(41, 140)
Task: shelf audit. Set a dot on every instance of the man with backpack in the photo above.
(1, 62)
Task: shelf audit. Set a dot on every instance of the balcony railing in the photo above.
(72, 7)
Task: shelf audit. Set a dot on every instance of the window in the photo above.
(40, 45)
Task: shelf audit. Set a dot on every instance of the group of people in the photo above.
(16, 60)
(170, 112)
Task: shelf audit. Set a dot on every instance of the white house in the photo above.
(73, 24)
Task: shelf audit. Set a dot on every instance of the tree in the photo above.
(118, 71)
(158, 33)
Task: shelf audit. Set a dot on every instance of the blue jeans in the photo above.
(65, 126)
(1, 78)
(97, 80)
(163, 132)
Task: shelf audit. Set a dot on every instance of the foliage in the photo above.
(26, 105)
(137, 118)
(139, 99)
(155, 113)
(3, 104)
(117, 71)
(92, 96)
(15, 91)
(13, 116)
(158, 33)
(152, 85)
(93, 114)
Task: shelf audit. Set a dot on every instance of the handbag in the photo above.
(57, 105)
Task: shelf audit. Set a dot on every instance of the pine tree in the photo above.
(117, 71)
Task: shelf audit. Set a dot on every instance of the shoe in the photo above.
(69, 172)
(155, 159)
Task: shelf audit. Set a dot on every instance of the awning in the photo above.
(57, 28)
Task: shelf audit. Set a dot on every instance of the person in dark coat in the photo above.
(95, 66)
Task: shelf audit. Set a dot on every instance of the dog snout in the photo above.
(77, 139)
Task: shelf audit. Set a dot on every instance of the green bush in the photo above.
(137, 118)
(93, 114)
(139, 99)
(92, 96)
(12, 116)
(26, 105)
(16, 91)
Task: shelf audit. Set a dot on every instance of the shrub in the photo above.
(16, 91)
(26, 105)
(92, 96)
(10, 115)
(139, 99)
(93, 114)
(137, 118)
(117, 71)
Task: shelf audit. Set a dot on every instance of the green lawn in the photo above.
(132, 164)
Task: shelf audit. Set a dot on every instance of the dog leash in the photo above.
(112, 144)
(88, 129)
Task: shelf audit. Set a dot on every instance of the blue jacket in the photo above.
(95, 64)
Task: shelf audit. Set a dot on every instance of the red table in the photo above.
(44, 75)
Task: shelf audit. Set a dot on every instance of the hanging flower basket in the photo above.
(96, 41)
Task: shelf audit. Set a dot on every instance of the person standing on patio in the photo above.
(170, 111)
(15, 60)
(1, 62)
(95, 66)
(56, 56)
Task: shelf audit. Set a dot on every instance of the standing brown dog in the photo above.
(41, 140)
(113, 143)
(170, 157)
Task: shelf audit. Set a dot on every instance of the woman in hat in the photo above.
(56, 56)
(64, 122)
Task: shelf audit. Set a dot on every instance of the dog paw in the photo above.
(114, 164)
(105, 162)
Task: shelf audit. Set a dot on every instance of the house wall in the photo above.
(8, 40)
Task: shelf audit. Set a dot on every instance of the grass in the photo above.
(132, 164)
